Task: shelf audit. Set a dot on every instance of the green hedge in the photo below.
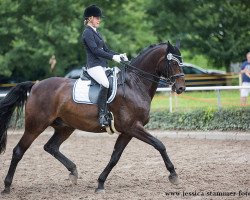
(210, 119)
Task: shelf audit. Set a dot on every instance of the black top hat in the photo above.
(92, 10)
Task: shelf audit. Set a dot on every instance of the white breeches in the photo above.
(98, 73)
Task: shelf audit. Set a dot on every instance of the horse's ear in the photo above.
(169, 46)
(178, 44)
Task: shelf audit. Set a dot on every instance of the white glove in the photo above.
(117, 58)
(124, 57)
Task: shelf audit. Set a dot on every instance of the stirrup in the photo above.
(111, 128)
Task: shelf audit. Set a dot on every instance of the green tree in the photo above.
(127, 27)
(32, 31)
(217, 29)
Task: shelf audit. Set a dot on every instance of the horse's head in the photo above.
(172, 68)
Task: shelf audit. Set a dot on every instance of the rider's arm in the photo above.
(89, 40)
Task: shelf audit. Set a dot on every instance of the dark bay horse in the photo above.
(50, 104)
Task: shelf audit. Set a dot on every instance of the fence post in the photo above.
(170, 102)
(218, 99)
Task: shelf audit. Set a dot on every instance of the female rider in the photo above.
(97, 56)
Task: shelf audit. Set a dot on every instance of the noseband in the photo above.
(170, 79)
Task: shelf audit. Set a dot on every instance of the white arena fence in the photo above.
(207, 88)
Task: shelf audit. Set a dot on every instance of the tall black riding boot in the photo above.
(102, 106)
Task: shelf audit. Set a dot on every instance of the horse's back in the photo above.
(51, 99)
(46, 95)
(52, 84)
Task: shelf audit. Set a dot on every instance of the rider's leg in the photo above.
(102, 106)
(98, 73)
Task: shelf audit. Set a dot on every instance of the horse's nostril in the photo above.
(180, 90)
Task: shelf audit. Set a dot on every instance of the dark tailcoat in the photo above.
(96, 49)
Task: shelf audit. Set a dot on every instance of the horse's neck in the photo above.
(140, 85)
(145, 82)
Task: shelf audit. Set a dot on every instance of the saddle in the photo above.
(86, 89)
(94, 87)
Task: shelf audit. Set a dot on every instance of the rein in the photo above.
(168, 80)
(138, 72)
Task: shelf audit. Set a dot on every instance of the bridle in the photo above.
(169, 59)
(169, 80)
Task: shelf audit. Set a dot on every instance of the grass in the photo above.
(197, 99)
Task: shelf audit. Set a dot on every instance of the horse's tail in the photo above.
(16, 98)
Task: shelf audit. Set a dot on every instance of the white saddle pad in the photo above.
(81, 89)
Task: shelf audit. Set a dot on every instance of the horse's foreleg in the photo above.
(18, 153)
(52, 147)
(120, 145)
(140, 133)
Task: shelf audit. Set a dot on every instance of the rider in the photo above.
(97, 56)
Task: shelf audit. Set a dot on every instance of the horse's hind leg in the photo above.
(18, 153)
(52, 147)
(120, 145)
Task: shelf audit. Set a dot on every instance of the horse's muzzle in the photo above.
(180, 89)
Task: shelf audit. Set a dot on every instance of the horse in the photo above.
(50, 103)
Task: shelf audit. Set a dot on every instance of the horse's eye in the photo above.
(175, 64)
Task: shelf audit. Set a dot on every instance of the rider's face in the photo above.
(95, 21)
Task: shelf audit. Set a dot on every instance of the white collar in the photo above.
(92, 27)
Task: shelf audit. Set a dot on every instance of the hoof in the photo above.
(100, 191)
(73, 176)
(174, 179)
(73, 179)
(5, 191)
